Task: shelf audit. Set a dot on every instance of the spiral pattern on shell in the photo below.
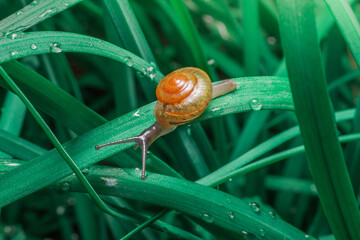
(182, 96)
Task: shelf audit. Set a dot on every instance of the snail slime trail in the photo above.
(182, 95)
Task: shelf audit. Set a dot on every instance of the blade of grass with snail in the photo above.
(314, 113)
(274, 94)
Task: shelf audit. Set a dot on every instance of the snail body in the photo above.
(182, 95)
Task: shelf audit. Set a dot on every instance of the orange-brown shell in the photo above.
(182, 96)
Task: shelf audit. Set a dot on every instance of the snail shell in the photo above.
(182, 96)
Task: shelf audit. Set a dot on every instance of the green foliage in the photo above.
(91, 68)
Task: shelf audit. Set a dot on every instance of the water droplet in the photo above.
(46, 13)
(273, 214)
(19, 13)
(262, 233)
(271, 40)
(228, 200)
(211, 62)
(91, 45)
(151, 72)
(33, 46)
(231, 215)
(35, 2)
(55, 48)
(255, 207)
(66, 187)
(215, 109)
(136, 114)
(230, 179)
(13, 54)
(207, 218)
(128, 61)
(141, 73)
(255, 104)
(60, 210)
(188, 130)
(10, 230)
(65, 4)
(11, 36)
(71, 201)
(86, 171)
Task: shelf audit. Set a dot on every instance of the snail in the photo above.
(182, 95)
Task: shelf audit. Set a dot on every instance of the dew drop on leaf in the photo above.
(207, 218)
(255, 104)
(55, 48)
(231, 215)
(128, 61)
(273, 214)
(151, 72)
(47, 13)
(141, 73)
(66, 187)
(33, 46)
(262, 233)
(13, 54)
(255, 207)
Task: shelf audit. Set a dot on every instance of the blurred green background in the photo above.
(276, 159)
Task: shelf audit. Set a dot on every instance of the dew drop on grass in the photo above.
(13, 54)
(273, 214)
(211, 62)
(207, 218)
(141, 73)
(128, 61)
(262, 233)
(33, 46)
(47, 13)
(231, 215)
(19, 13)
(35, 2)
(55, 48)
(11, 36)
(66, 187)
(86, 171)
(255, 207)
(60, 210)
(188, 130)
(151, 72)
(255, 104)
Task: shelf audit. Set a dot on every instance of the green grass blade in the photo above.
(314, 113)
(348, 25)
(209, 205)
(35, 43)
(18, 147)
(251, 37)
(192, 35)
(128, 30)
(274, 93)
(32, 14)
